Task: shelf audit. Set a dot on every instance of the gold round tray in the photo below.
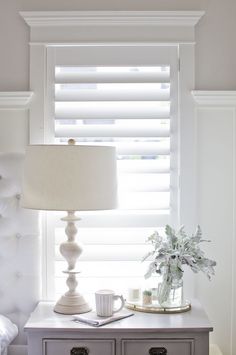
(138, 306)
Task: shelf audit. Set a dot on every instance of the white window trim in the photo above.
(111, 18)
(121, 28)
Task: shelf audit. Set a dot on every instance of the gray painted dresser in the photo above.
(187, 333)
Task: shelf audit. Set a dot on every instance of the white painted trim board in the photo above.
(111, 18)
(214, 98)
(15, 99)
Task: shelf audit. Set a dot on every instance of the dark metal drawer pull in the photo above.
(79, 351)
(158, 351)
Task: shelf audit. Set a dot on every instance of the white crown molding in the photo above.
(214, 98)
(15, 100)
(111, 18)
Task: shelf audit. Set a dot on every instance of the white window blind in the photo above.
(132, 108)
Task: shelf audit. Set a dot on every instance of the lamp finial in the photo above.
(71, 141)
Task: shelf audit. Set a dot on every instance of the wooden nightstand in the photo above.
(187, 333)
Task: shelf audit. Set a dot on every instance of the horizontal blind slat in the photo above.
(111, 92)
(116, 236)
(112, 77)
(144, 200)
(111, 110)
(110, 131)
(98, 252)
(144, 149)
(151, 166)
(144, 182)
(106, 268)
(115, 219)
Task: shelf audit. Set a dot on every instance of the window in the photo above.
(127, 97)
(114, 39)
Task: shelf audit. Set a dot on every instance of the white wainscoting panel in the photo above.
(216, 211)
(14, 120)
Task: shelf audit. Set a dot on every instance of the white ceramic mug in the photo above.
(105, 300)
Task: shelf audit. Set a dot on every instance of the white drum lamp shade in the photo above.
(70, 178)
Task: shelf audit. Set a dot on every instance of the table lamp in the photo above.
(70, 178)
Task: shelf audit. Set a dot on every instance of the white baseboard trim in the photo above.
(214, 350)
(17, 350)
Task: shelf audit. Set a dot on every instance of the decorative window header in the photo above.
(94, 18)
(153, 26)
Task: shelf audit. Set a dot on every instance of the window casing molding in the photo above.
(48, 29)
(111, 18)
(68, 27)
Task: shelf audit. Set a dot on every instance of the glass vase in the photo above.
(174, 294)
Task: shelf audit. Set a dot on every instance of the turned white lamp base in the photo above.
(72, 305)
(71, 302)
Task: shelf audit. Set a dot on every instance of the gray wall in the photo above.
(215, 37)
(215, 70)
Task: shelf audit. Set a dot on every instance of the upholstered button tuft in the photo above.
(18, 196)
(18, 235)
(16, 310)
(18, 274)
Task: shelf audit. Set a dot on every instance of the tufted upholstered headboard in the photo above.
(19, 247)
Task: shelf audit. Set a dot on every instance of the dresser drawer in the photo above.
(158, 346)
(78, 347)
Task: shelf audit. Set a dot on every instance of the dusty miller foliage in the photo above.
(173, 251)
